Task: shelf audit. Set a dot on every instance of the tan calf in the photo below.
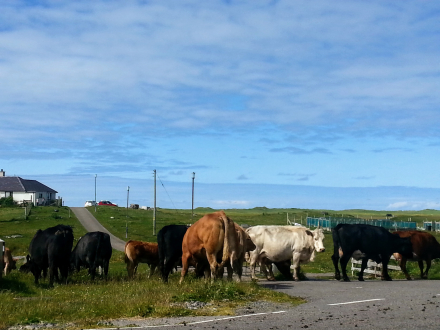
(141, 252)
(9, 262)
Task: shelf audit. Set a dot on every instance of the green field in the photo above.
(86, 303)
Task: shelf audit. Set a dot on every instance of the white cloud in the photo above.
(397, 206)
(126, 85)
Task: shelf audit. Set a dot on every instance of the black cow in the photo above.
(373, 242)
(50, 248)
(169, 240)
(92, 250)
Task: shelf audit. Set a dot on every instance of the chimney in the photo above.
(2, 173)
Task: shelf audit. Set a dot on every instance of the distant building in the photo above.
(23, 190)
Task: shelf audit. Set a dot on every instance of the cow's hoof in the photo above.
(254, 279)
(296, 279)
(345, 280)
(409, 278)
(337, 277)
(271, 278)
(361, 279)
(387, 279)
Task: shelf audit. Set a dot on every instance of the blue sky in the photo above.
(255, 97)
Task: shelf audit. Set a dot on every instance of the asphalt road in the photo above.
(372, 304)
(90, 223)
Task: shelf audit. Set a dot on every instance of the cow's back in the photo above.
(142, 252)
(169, 240)
(424, 244)
(205, 233)
(369, 239)
(59, 245)
(93, 247)
(278, 242)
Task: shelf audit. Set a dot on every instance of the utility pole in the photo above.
(154, 206)
(192, 205)
(95, 191)
(126, 216)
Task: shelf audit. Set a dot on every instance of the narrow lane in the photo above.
(90, 223)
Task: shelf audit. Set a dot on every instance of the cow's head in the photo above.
(250, 246)
(318, 238)
(25, 267)
(29, 266)
(405, 247)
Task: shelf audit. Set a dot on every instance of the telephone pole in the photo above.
(192, 204)
(154, 206)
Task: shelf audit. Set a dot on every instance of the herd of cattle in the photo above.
(215, 242)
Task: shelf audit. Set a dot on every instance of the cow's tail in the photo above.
(98, 253)
(226, 240)
(126, 259)
(161, 252)
(336, 240)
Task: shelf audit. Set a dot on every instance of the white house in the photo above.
(23, 190)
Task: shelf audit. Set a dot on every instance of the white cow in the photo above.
(281, 243)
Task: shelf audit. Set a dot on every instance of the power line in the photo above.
(166, 191)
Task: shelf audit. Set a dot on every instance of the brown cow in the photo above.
(9, 262)
(210, 240)
(141, 252)
(425, 248)
(243, 245)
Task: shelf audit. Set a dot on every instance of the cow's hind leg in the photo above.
(296, 266)
(185, 266)
(252, 265)
(344, 261)
(428, 266)
(270, 269)
(152, 269)
(335, 259)
(363, 266)
(385, 276)
(402, 264)
(238, 268)
(106, 264)
(213, 265)
(131, 268)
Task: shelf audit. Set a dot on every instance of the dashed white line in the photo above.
(356, 302)
(190, 323)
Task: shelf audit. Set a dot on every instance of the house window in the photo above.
(8, 194)
(40, 195)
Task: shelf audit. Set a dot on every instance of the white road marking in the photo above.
(356, 302)
(189, 323)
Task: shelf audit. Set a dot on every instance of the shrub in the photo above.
(7, 201)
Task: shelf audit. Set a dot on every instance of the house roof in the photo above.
(17, 184)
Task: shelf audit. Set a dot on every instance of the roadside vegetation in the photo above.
(85, 303)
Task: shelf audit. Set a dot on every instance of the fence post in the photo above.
(2, 252)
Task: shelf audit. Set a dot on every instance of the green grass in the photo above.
(86, 303)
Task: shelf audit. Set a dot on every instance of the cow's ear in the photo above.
(308, 232)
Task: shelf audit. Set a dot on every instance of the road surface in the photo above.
(331, 304)
(90, 223)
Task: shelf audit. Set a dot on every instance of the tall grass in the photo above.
(87, 302)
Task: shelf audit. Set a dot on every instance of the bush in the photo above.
(7, 202)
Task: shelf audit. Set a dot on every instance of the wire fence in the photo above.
(331, 222)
